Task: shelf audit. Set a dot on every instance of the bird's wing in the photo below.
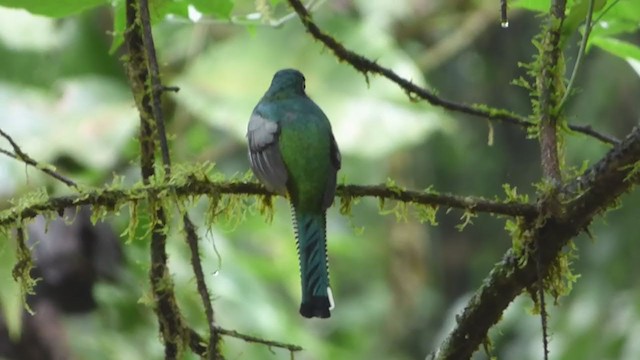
(264, 154)
(336, 163)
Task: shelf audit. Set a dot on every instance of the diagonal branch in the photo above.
(589, 195)
(366, 66)
(20, 155)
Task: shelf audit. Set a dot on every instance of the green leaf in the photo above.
(622, 17)
(578, 13)
(161, 8)
(617, 47)
(119, 24)
(57, 8)
(635, 64)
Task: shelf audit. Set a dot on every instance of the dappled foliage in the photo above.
(480, 190)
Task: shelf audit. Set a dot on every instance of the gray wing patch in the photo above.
(264, 155)
(336, 163)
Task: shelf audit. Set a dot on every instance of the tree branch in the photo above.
(366, 66)
(156, 89)
(470, 203)
(550, 91)
(22, 156)
(588, 195)
(197, 347)
(166, 307)
(213, 349)
(257, 340)
(113, 198)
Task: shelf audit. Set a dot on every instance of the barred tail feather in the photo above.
(317, 298)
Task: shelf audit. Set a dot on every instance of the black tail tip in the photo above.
(317, 306)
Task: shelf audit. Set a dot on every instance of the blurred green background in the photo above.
(397, 283)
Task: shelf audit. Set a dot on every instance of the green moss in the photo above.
(346, 202)
(24, 264)
(467, 219)
(426, 214)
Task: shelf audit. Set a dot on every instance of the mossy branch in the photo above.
(367, 66)
(137, 39)
(550, 90)
(586, 197)
(113, 198)
(154, 90)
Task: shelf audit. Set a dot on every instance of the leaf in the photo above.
(622, 17)
(119, 24)
(578, 13)
(635, 64)
(57, 8)
(160, 9)
(617, 47)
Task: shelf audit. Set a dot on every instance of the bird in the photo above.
(292, 152)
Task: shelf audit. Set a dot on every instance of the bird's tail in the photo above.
(317, 300)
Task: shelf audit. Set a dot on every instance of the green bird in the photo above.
(293, 153)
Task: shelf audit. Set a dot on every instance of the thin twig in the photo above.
(174, 89)
(583, 47)
(366, 66)
(213, 351)
(588, 130)
(198, 348)
(504, 19)
(22, 156)
(605, 11)
(257, 340)
(543, 306)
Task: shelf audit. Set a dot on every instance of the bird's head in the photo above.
(286, 82)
